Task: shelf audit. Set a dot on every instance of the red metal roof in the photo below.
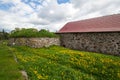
(109, 23)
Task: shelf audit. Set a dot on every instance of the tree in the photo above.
(3, 35)
(17, 29)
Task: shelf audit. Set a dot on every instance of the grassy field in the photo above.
(58, 63)
(8, 67)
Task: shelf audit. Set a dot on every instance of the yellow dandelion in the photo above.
(35, 72)
(118, 74)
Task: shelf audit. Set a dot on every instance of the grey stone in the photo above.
(101, 42)
(34, 42)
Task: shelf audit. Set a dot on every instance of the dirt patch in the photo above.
(25, 76)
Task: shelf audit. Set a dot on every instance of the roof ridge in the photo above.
(96, 17)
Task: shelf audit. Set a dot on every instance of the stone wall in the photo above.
(107, 42)
(34, 42)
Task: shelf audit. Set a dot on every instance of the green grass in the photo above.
(58, 63)
(8, 67)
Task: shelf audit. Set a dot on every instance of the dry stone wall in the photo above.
(34, 42)
(106, 42)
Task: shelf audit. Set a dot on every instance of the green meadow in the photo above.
(57, 63)
(9, 69)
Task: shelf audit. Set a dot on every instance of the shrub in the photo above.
(31, 32)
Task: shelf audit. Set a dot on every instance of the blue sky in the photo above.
(62, 1)
(6, 6)
(52, 14)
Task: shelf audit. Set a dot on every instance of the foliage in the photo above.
(31, 32)
(8, 67)
(4, 35)
(58, 63)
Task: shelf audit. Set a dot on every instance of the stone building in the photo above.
(101, 34)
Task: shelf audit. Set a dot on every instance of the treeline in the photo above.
(23, 32)
(31, 32)
(3, 35)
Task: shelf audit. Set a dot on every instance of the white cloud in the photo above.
(5, 1)
(21, 8)
(101, 7)
(54, 12)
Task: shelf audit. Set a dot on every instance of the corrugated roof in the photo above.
(109, 23)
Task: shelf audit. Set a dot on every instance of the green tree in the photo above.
(3, 35)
